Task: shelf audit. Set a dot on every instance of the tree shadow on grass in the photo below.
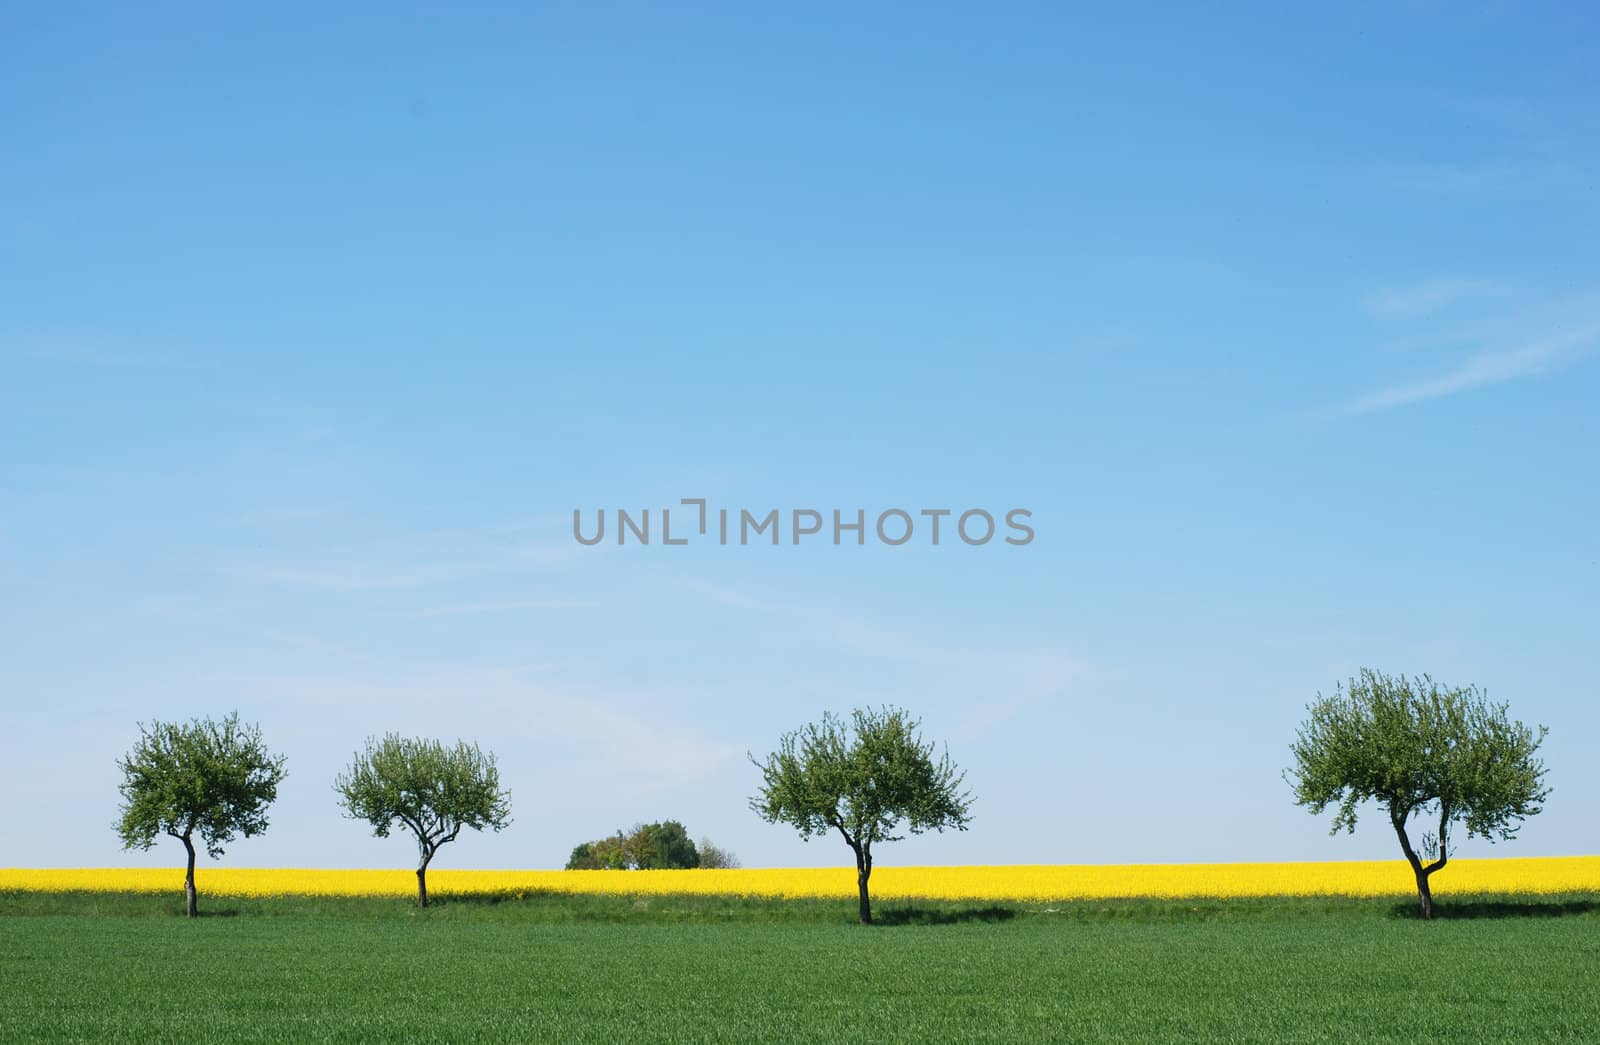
(941, 916)
(487, 899)
(1465, 909)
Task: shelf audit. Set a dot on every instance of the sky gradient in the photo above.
(316, 326)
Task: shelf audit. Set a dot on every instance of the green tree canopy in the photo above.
(206, 778)
(1446, 755)
(866, 779)
(663, 845)
(602, 854)
(426, 788)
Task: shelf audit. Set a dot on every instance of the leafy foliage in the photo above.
(430, 790)
(864, 779)
(1419, 749)
(214, 779)
(602, 854)
(661, 845)
(715, 858)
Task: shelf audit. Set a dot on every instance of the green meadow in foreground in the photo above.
(102, 967)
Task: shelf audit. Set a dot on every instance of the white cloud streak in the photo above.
(1426, 298)
(1483, 180)
(1484, 369)
(457, 609)
(538, 724)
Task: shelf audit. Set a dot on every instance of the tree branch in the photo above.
(1405, 840)
(851, 842)
(1444, 830)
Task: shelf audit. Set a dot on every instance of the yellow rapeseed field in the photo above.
(1038, 883)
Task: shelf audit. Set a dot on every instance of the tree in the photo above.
(202, 777)
(714, 857)
(1420, 750)
(661, 845)
(603, 854)
(861, 779)
(430, 790)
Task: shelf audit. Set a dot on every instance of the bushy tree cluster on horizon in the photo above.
(664, 845)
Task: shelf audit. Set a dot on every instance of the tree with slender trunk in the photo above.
(862, 779)
(426, 788)
(1442, 755)
(206, 778)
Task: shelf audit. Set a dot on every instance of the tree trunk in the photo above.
(1424, 894)
(864, 872)
(422, 881)
(1422, 872)
(191, 901)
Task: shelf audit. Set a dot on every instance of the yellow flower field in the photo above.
(1024, 882)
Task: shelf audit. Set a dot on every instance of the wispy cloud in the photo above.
(1008, 681)
(1031, 670)
(1186, 270)
(545, 725)
(341, 554)
(721, 594)
(1421, 299)
(457, 609)
(346, 578)
(1503, 180)
(1485, 368)
(95, 351)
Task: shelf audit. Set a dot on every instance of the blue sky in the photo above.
(316, 326)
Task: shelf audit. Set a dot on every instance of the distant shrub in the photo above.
(714, 857)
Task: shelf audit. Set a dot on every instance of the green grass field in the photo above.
(115, 967)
